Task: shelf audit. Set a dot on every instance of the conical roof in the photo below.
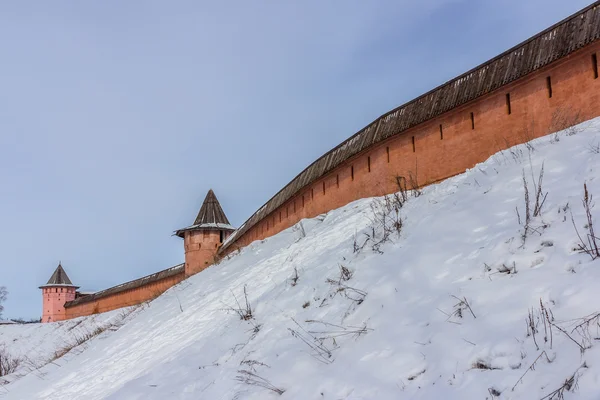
(210, 216)
(59, 278)
(211, 211)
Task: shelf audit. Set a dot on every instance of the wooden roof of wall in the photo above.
(178, 269)
(540, 50)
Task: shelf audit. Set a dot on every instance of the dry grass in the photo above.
(244, 312)
(590, 244)
(8, 363)
(252, 379)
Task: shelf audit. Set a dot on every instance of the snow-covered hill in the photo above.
(439, 311)
(29, 347)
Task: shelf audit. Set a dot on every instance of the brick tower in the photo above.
(203, 239)
(55, 294)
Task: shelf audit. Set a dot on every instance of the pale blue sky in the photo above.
(117, 117)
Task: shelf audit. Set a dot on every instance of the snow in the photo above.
(391, 329)
(36, 344)
(214, 225)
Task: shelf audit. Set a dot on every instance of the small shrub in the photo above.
(8, 363)
(245, 312)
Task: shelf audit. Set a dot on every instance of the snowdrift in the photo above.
(462, 291)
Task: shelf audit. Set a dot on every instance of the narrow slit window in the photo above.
(508, 109)
(295, 204)
(221, 236)
(595, 65)
(352, 172)
(323, 187)
(549, 86)
(369, 163)
(287, 212)
(387, 150)
(472, 121)
(279, 216)
(441, 132)
(413, 144)
(312, 193)
(337, 180)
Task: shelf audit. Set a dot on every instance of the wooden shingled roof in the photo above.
(59, 278)
(177, 269)
(554, 43)
(210, 216)
(211, 211)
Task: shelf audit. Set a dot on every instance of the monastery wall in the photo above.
(128, 294)
(543, 85)
(540, 103)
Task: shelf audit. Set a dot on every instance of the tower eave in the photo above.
(58, 285)
(204, 227)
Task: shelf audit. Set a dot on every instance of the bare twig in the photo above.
(531, 368)
(570, 384)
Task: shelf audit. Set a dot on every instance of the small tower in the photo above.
(203, 239)
(55, 294)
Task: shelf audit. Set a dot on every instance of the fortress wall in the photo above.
(437, 156)
(132, 294)
(550, 47)
(473, 114)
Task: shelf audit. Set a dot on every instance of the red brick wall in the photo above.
(53, 300)
(200, 249)
(574, 90)
(433, 158)
(124, 298)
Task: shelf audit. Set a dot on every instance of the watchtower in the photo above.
(203, 239)
(55, 294)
